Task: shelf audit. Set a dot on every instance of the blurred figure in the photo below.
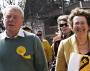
(64, 31)
(63, 26)
(2, 28)
(79, 21)
(46, 46)
(19, 49)
(27, 28)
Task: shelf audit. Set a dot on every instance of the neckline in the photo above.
(88, 46)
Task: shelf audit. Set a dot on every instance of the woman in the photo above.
(63, 32)
(78, 43)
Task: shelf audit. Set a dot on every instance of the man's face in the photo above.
(39, 34)
(63, 27)
(12, 20)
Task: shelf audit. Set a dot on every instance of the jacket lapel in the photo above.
(74, 43)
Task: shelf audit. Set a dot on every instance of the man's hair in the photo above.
(14, 7)
(39, 31)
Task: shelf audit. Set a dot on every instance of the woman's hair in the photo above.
(78, 12)
(62, 17)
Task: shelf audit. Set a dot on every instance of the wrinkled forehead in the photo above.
(12, 10)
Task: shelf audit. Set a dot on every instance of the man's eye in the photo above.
(8, 17)
(14, 17)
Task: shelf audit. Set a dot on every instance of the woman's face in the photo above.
(80, 25)
(63, 27)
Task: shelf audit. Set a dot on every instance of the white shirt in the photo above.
(20, 33)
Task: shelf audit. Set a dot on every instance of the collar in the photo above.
(74, 42)
(20, 33)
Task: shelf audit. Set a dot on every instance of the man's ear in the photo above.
(2, 19)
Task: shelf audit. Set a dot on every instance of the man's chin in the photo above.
(10, 29)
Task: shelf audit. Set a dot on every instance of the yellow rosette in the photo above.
(85, 63)
(21, 51)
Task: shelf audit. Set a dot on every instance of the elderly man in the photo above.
(19, 49)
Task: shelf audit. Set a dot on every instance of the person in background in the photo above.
(46, 46)
(27, 28)
(79, 42)
(1, 26)
(19, 49)
(64, 31)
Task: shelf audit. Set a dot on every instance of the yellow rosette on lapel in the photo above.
(85, 63)
(21, 51)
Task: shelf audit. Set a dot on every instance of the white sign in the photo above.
(79, 62)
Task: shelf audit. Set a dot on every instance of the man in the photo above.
(19, 50)
(46, 46)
